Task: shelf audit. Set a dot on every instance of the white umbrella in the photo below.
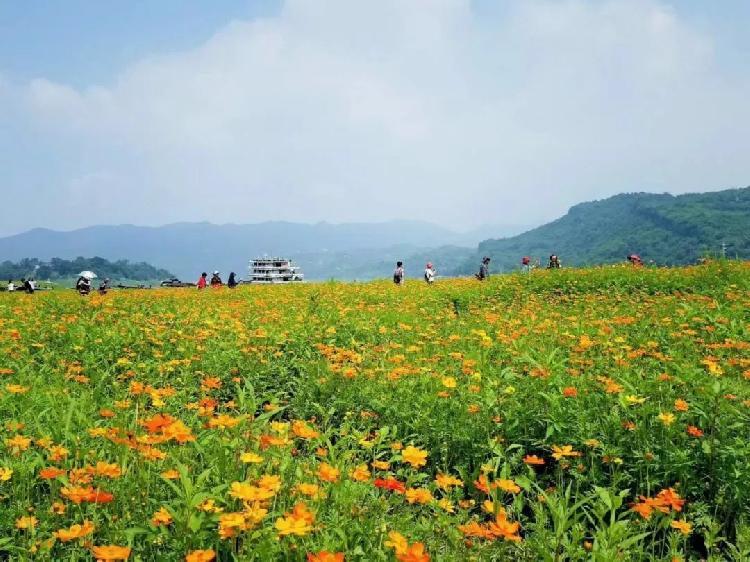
(87, 274)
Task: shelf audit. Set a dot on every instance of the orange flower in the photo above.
(502, 528)
(161, 518)
(297, 522)
(328, 473)
(507, 486)
(446, 481)
(683, 526)
(200, 556)
(110, 552)
(570, 392)
(50, 472)
(564, 451)
(325, 556)
(406, 552)
(360, 474)
(75, 532)
(304, 431)
(681, 406)
(694, 431)
(533, 460)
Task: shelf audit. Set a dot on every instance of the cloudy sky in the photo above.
(459, 112)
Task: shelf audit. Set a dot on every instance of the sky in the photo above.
(457, 112)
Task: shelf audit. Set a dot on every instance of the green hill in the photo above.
(664, 228)
(59, 269)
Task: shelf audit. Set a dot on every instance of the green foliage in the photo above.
(666, 229)
(57, 268)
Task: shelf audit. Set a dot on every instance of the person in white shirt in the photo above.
(429, 273)
(11, 285)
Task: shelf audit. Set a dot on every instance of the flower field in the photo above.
(599, 414)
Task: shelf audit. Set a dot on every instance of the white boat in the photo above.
(274, 270)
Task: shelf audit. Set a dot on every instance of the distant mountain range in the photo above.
(668, 229)
(344, 251)
(664, 228)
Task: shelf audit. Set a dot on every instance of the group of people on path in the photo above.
(430, 273)
(527, 265)
(26, 285)
(216, 281)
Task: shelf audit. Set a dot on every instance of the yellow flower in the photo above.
(446, 505)
(633, 400)
(28, 522)
(5, 474)
(667, 418)
(449, 382)
(252, 458)
(564, 451)
(361, 473)
(414, 456)
(418, 495)
(249, 493)
(446, 481)
(507, 486)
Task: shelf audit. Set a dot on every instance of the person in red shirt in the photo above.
(202, 280)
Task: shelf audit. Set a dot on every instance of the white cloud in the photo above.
(407, 108)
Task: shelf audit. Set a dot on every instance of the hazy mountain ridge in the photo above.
(348, 251)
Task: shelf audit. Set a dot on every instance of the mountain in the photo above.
(323, 250)
(667, 229)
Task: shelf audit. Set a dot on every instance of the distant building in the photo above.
(274, 270)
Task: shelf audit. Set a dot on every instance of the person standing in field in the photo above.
(11, 286)
(231, 282)
(554, 262)
(398, 273)
(484, 269)
(635, 260)
(83, 285)
(429, 273)
(29, 286)
(202, 281)
(216, 280)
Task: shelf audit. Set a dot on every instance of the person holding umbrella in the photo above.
(83, 285)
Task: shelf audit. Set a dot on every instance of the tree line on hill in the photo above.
(57, 268)
(663, 228)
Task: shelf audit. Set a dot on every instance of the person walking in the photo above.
(429, 273)
(399, 274)
(202, 281)
(231, 282)
(484, 269)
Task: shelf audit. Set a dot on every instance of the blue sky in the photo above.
(463, 113)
